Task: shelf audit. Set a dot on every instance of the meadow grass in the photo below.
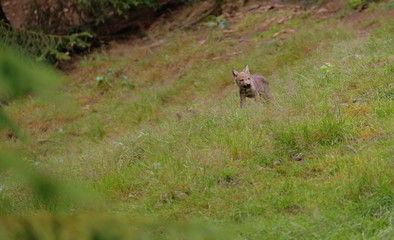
(163, 137)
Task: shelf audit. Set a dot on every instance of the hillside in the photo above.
(151, 128)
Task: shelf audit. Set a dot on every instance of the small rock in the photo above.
(42, 140)
(181, 195)
(298, 157)
(358, 99)
(86, 107)
(277, 162)
(156, 165)
(322, 10)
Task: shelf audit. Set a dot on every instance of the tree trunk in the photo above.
(2, 15)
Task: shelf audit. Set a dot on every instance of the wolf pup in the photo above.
(251, 86)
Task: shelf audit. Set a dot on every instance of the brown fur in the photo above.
(251, 86)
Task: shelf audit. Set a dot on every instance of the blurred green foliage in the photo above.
(19, 77)
(102, 227)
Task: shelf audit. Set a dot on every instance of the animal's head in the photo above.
(242, 79)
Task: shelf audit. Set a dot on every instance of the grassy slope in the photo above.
(171, 142)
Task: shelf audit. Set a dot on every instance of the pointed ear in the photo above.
(247, 69)
(235, 73)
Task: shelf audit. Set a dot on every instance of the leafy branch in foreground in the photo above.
(43, 46)
(19, 77)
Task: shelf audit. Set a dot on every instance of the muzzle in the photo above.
(247, 85)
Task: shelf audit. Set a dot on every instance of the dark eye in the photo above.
(248, 78)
